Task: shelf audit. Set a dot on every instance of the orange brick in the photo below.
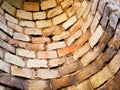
(66, 50)
(31, 6)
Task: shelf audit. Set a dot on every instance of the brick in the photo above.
(9, 8)
(43, 23)
(35, 47)
(96, 36)
(27, 23)
(95, 22)
(41, 40)
(114, 17)
(47, 74)
(80, 42)
(68, 69)
(2, 87)
(87, 23)
(4, 28)
(7, 46)
(39, 15)
(105, 17)
(73, 37)
(25, 53)
(82, 9)
(62, 82)
(20, 36)
(68, 60)
(13, 59)
(90, 56)
(11, 18)
(4, 66)
(99, 78)
(32, 31)
(4, 36)
(23, 72)
(36, 85)
(54, 30)
(2, 52)
(70, 12)
(31, 6)
(69, 22)
(114, 65)
(2, 19)
(1, 11)
(66, 3)
(59, 19)
(48, 4)
(66, 50)
(94, 6)
(24, 14)
(56, 45)
(86, 72)
(15, 27)
(81, 51)
(36, 63)
(61, 36)
(87, 11)
(76, 26)
(55, 11)
(47, 54)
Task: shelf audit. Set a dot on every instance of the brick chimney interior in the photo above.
(59, 45)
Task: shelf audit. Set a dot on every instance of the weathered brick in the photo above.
(70, 68)
(41, 40)
(23, 72)
(25, 53)
(66, 3)
(94, 6)
(13, 59)
(2, 19)
(2, 87)
(47, 74)
(59, 19)
(62, 82)
(73, 37)
(70, 12)
(27, 23)
(2, 52)
(76, 26)
(99, 78)
(86, 72)
(11, 18)
(53, 12)
(69, 22)
(81, 51)
(43, 23)
(66, 50)
(114, 65)
(7, 46)
(87, 23)
(36, 63)
(4, 66)
(82, 9)
(56, 45)
(21, 36)
(6, 29)
(15, 26)
(31, 6)
(47, 54)
(9, 8)
(48, 4)
(36, 85)
(24, 14)
(90, 56)
(61, 36)
(54, 30)
(1, 11)
(96, 36)
(39, 15)
(32, 31)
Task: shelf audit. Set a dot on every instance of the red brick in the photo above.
(31, 6)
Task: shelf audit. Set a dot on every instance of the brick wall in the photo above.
(60, 44)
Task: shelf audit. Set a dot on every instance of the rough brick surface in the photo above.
(43, 23)
(39, 15)
(27, 23)
(32, 31)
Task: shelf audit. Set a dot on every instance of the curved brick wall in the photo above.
(59, 44)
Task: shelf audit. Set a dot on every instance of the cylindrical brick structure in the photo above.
(59, 45)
